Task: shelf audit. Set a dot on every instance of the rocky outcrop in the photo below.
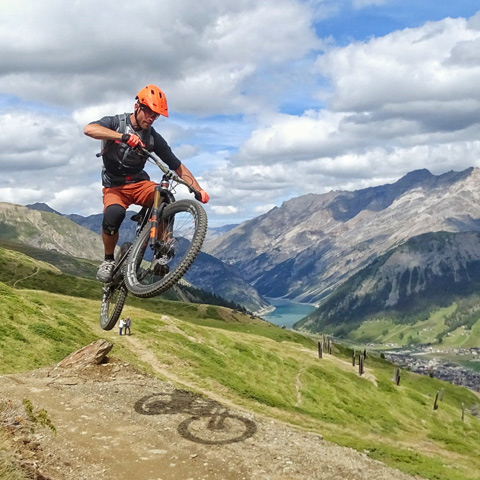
(92, 354)
(310, 245)
(48, 231)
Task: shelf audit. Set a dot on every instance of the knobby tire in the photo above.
(112, 306)
(114, 295)
(146, 286)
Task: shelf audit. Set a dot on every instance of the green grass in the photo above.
(263, 368)
(386, 331)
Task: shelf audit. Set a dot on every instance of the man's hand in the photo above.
(132, 140)
(202, 196)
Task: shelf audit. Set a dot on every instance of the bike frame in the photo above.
(162, 197)
(158, 235)
(152, 214)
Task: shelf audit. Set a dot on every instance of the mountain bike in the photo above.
(168, 238)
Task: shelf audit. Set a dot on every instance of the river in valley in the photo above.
(286, 313)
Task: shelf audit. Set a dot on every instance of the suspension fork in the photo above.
(160, 230)
(156, 228)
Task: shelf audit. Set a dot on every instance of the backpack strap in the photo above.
(122, 118)
(122, 126)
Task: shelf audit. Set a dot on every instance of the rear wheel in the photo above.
(112, 305)
(114, 293)
(153, 268)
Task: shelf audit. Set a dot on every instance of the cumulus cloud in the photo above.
(262, 108)
(203, 54)
(407, 100)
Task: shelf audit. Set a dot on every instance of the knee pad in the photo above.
(113, 217)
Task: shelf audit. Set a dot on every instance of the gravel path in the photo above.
(113, 422)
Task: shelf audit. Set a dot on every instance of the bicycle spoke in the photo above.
(154, 265)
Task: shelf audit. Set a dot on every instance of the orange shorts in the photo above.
(140, 193)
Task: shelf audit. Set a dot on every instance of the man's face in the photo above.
(145, 116)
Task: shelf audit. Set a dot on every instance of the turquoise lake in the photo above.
(286, 313)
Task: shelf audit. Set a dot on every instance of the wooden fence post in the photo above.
(320, 350)
(360, 364)
(435, 403)
(396, 376)
(353, 358)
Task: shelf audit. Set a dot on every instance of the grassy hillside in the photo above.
(424, 291)
(262, 368)
(438, 328)
(23, 266)
(65, 263)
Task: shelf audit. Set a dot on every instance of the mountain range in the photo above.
(310, 245)
(405, 285)
(350, 253)
(46, 230)
(40, 222)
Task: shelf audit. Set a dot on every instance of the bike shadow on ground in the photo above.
(208, 421)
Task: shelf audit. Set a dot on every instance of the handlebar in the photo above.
(166, 171)
(169, 173)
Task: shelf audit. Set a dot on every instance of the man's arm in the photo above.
(99, 132)
(185, 174)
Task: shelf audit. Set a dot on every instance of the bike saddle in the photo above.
(138, 217)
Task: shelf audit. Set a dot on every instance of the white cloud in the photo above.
(405, 66)
(202, 54)
(404, 101)
(261, 108)
(225, 209)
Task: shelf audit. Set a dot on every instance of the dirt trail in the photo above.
(114, 422)
(37, 269)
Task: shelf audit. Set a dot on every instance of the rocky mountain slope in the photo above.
(207, 273)
(48, 231)
(427, 272)
(310, 245)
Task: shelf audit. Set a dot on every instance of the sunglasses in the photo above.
(148, 111)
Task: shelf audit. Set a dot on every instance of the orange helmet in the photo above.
(154, 98)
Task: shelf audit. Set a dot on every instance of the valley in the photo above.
(459, 366)
(195, 343)
(396, 253)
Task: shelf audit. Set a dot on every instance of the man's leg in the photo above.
(113, 217)
(109, 243)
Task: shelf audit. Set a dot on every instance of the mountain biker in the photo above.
(124, 179)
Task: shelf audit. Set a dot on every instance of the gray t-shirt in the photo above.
(122, 164)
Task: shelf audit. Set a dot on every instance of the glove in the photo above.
(202, 196)
(132, 140)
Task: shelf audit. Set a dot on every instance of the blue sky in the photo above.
(380, 18)
(269, 99)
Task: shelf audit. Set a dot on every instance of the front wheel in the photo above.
(153, 267)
